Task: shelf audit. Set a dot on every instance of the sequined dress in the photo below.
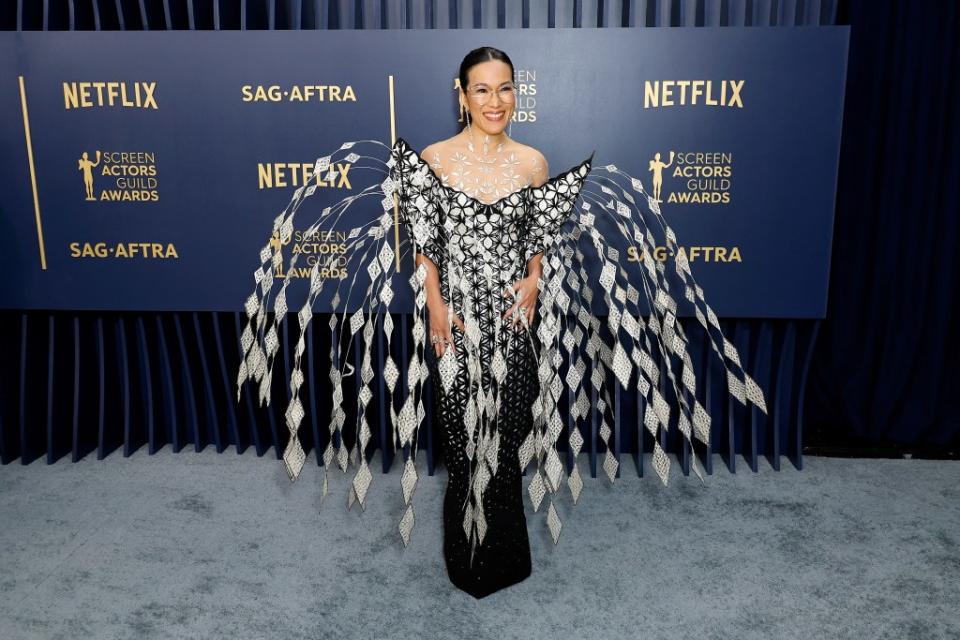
(497, 396)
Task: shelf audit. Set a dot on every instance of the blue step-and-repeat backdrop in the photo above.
(143, 171)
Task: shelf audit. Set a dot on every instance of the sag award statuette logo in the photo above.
(697, 177)
(131, 176)
(86, 167)
(657, 166)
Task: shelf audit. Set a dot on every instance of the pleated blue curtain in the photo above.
(887, 365)
(885, 369)
(135, 15)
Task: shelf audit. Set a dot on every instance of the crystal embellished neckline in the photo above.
(404, 146)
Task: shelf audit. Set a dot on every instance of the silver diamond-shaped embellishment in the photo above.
(481, 519)
(406, 524)
(576, 441)
(321, 165)
(356, 321)
(553, 522)
(754, 392)
(701, 423)
(661, 464)
(526, 450)
(536, 489)
(610, 465)
(390, 373)
(373, 269)
(499, 366)
(554, 469)
(361, 481)
(622, 365)
(448, 369)
(575, 482)
(605, 431)
(468, 520)
(293, 458)
(408, 481)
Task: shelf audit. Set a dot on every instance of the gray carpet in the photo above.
(201, 545)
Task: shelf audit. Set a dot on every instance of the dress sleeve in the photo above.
(419, 207)
(549, 205)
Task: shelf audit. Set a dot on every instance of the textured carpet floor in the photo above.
(201, 545)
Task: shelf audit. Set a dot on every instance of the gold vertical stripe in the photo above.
(33, 174)
(396, 208)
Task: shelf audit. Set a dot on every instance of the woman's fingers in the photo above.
(517, 319)
(511, 311)
(517, 289)
(524, 298)
(446, 337)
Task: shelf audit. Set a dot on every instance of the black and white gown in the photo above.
(481, 248)
(498, 397)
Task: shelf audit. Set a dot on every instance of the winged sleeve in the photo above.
(549, 205)
(420, 212)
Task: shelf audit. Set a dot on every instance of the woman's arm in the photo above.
(437, 307)
(527, 298)
(540, 174)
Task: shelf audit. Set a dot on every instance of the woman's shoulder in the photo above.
(437, 152)
(535, 163)
(444, 144)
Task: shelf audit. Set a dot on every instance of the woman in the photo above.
(497, 243)
(486, 165)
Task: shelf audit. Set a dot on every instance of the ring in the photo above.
(434, 339)
(523, 309)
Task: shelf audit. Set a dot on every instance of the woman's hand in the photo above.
(437, 309)
(526, 300)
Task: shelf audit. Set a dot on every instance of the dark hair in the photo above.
(478, 55)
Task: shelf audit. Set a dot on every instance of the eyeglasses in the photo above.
(481, 93)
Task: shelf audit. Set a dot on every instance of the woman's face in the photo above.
(487, 98)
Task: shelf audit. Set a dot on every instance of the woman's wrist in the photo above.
(434, 298)
(533, 265)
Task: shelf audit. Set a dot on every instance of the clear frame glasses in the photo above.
(481, 93)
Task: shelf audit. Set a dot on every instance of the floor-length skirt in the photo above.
(503, 559)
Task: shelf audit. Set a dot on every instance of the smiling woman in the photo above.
(497, 243)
